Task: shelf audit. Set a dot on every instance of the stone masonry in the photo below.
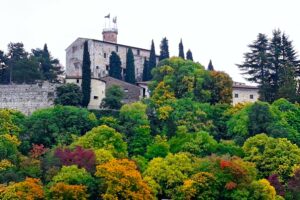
(27, 98)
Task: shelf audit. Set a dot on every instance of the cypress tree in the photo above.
(145, 70)
(210, 66)
(130, 68)
(164, 49)
(257, 66)
(115, 69)
(86, 76)
(181, 51)
(189, 55)
(151, 62)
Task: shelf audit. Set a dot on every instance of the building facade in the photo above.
(100, 51)
(244, 93)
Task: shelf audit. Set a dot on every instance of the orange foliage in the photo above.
(30, 189)
(70, 192)
(230, 185)
(123, 181)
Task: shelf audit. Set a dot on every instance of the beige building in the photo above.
(244, 93)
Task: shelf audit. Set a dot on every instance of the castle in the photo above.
(100, 51)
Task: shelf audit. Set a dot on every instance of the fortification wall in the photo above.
(27, 98)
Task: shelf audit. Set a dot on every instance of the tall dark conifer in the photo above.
(181, 51)
(115, 69)
(164, 49)
(86, 76)
(151, 63)
(257, 67)
(189, 55)
(145, 70)
(275, 62)
(130, 67)
(210, 66)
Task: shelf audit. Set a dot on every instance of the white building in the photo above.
(244, 93)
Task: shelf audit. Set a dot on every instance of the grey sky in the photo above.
(213, 29)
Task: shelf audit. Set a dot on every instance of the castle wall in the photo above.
(27, 98)
(99, 56)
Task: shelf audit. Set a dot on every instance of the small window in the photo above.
(138, 52)
(77, 80)
(95, 97)
(251, 96)
(117, 48)
(97, 67)
(107, 67)
(126, 90)
(104, 55)
(236, 95)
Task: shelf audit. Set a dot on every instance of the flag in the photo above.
(107, 16)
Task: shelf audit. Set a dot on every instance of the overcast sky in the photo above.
(213, 29)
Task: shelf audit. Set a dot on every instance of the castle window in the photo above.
(104, 55)
(236, 95)
(117, 48)
(97, 67)
(138, 52)
(74, 48)
(251, 96)
(95, 97)
(107, 67)
(77, 80)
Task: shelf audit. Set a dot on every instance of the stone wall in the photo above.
(27, 98)
(99, 56)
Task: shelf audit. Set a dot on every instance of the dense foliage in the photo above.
(185, 142)
(20, 66)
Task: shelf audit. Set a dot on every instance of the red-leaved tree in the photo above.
(84, 158)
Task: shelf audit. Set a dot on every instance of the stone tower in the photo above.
(110, 33)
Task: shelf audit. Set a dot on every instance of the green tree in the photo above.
(130, 67)
(145, 70)
(257, 66)
(221, 88)
(181, 51)
(86, 76)
(136, 127)
(22, 68)
(56, 125)
(169, 173)
(50, 67)
(164, 49)
(189, 55)
(160, 148)
(152, 62)
(68, 95)
(271, 155)
(115, 69)
(113, 98)
(210, 66)
(103, 137)
(73, 175)
(200, 144)
(4, 70)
